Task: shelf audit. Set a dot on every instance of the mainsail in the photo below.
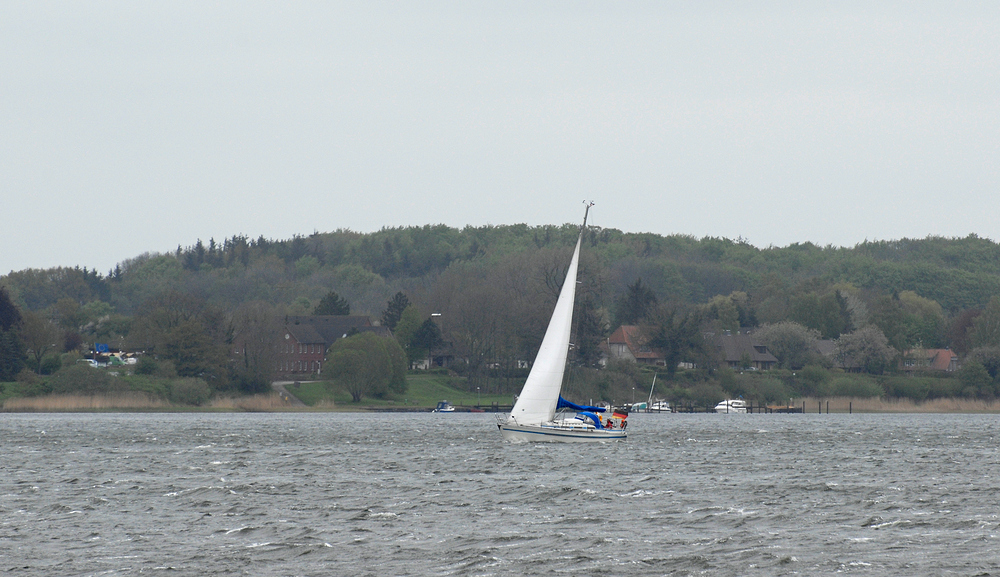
(538, 399)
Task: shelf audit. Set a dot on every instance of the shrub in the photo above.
(815, 379)
(150, 385)
(27, 377)
(189, 391)
(707, 394)
(85, 379)
(771, 390)
(916, 388)
(146, 366)
(51, 364)
(856, 387)
(727, 378)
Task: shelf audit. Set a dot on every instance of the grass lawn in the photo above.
(424, 391)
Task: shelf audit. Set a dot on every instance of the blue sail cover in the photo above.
(564, 404)
(592, 417)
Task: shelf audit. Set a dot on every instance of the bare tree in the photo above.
(255, 330)
(40, 336)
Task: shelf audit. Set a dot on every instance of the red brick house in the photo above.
(304, 340)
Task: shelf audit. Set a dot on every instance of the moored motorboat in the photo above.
(731, 406)
(659, 407)
(444, 407)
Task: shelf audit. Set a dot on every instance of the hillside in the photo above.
(492, 289)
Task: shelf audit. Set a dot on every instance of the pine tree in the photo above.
(332, 304)
(394, 310)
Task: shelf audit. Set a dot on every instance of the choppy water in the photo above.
(440, 494)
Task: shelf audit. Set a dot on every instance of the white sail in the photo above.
(538, 399)
(533, 417)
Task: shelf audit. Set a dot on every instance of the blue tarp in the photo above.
(564, 404)
(593, 417)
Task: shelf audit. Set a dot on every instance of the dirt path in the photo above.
(279, 387)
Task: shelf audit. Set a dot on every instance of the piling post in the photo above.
(850, 408)
(828, 407)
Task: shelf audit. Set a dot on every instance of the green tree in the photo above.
(194, 353)
(367, 365)
(886, 314)
(407, 326)
(635, 305)
(867, 348)
(12, 349)
(426, 338)
(677, 332)
(10, 314)
(923, 319)
(791, 343)
(394, 310)
(985, 330)
(827, 313)
(590, 332)
(989, 357)
(332, 304)
(976, 381)
(182, 328)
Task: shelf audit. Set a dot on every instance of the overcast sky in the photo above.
(132, 127)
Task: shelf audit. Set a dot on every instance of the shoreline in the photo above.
(278, 403)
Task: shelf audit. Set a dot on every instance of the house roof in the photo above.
(633, 337)
(938, 359)
(733, 347)
(305, 334)
(328, 328)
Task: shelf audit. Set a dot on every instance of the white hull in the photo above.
(731, 406)
(554, 433)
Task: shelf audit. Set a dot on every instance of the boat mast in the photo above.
(650, 401)
(585, 213)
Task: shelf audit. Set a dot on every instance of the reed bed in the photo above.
(254, 404)
(129, 401)
(881, 405)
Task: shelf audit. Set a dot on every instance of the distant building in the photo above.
(304, 340)
(929, 360)
(629, 343)
(743, 350)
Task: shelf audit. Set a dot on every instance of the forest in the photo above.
(490, 290)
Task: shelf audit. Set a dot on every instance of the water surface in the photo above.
(441, 494)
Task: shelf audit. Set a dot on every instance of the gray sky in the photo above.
(130, 127)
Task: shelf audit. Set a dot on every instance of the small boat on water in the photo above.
(444, 407)
(534, 415)
(731, 406)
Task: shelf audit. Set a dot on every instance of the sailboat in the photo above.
(534, 415)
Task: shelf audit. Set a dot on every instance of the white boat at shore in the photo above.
(731, 406)
(444, 407)
(659, 407)
(534, 415)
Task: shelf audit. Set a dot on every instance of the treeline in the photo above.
(491, 289)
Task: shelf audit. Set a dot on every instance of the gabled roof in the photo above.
(733, 347)
(937, 359)
(328, 328)
(305, 334)
(633, 337)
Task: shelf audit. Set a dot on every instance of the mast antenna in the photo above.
(588, 204)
